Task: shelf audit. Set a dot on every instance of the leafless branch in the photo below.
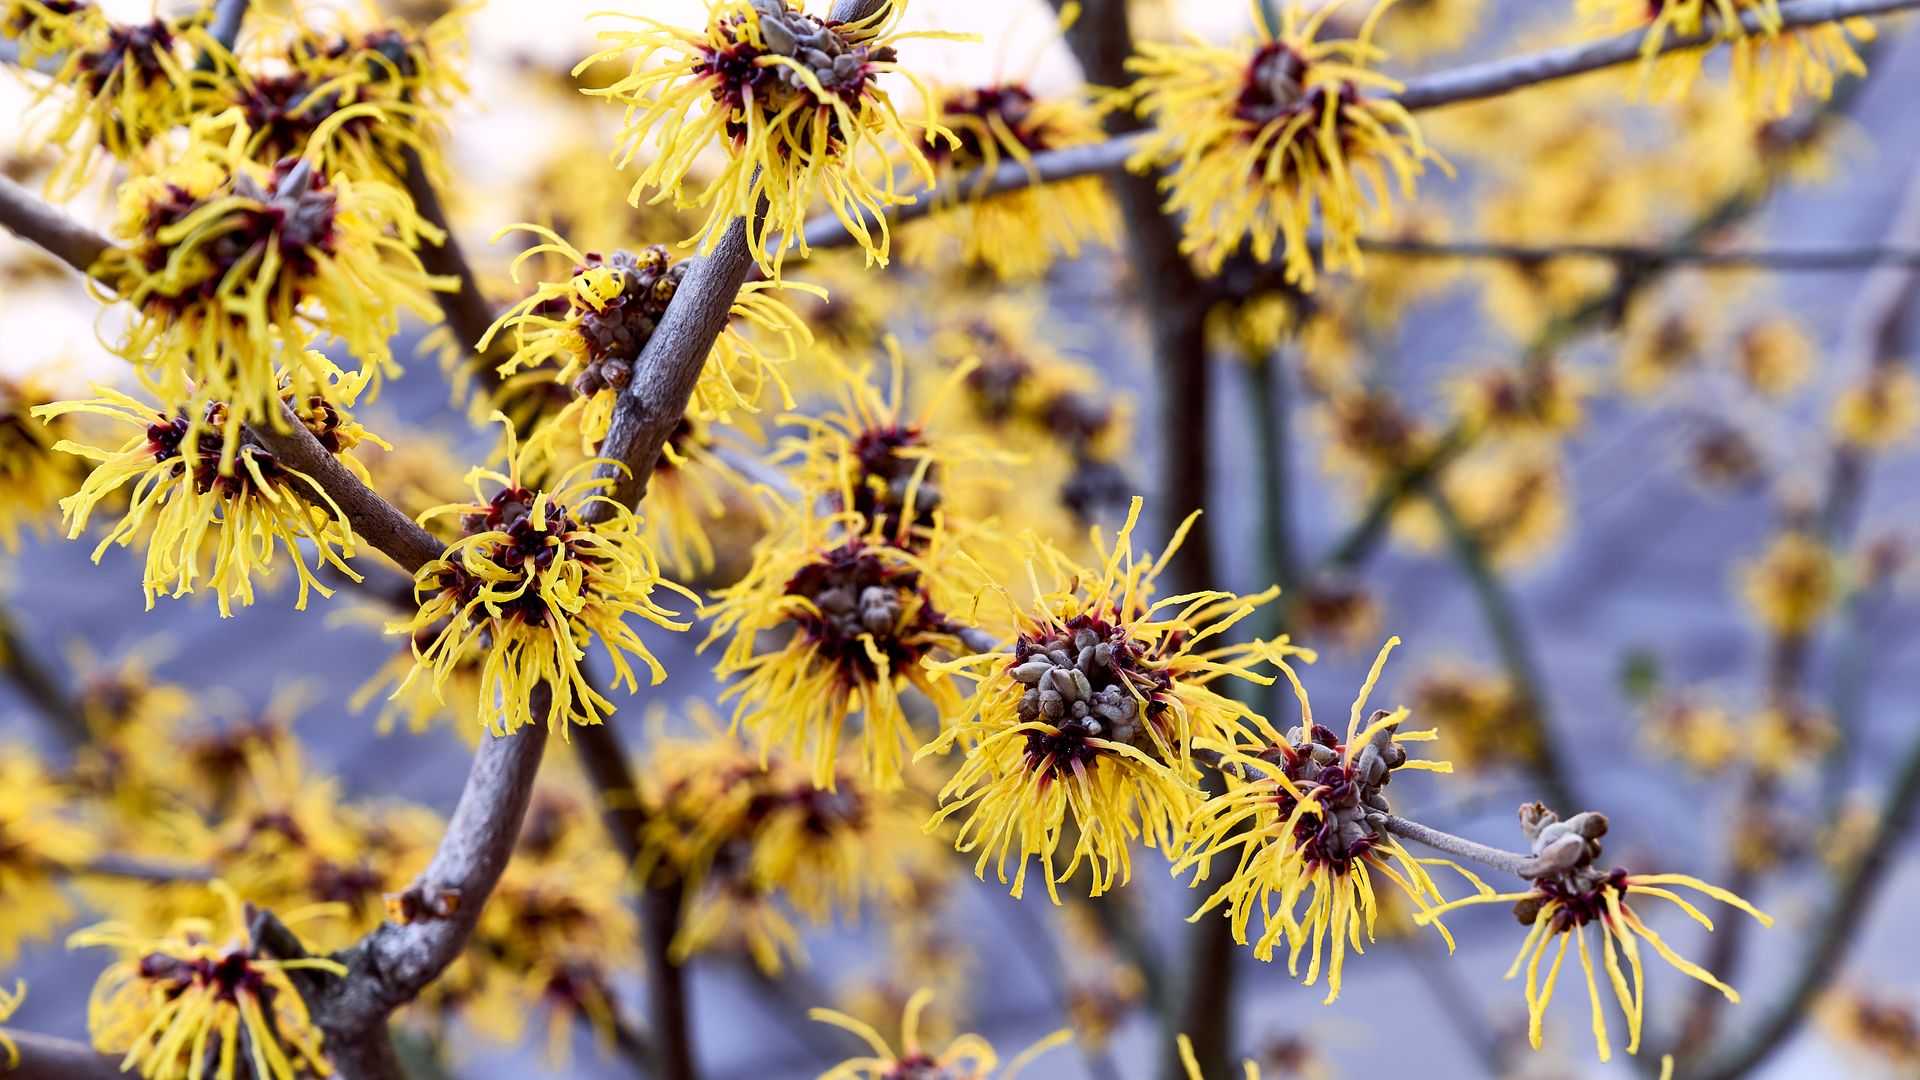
(40, 686)
(1470, 83)
(1563, 854)
(228, 15)
(468, 313)
(1831, 257)
(43, 1057)
(134, 868)
(33, 220)
(1834, 932)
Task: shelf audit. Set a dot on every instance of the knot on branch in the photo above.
(422, 901)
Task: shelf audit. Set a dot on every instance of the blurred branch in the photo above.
(1869, 341)
(1655, 256)
(1470, 83)
(1043, 955)
(35, 221)
(224, 26)
(40, 686)
(1510, 639)
(1835, 929)
(467, 311)
(1459, 1002)
(43, 1057)
(134, 868)
(608, 768)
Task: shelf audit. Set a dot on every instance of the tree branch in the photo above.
(39, 685)
(1810, 257)
(1869, 340)
(467, 311)
(1473, 82)
(33, 220)
(1563, 854)
(43, 1057)
(1503, 623)
(1836, 929)
(228, 15)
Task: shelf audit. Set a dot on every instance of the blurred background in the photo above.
(1618, 550)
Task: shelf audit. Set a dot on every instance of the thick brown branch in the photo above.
(374, 520)
(391, 965)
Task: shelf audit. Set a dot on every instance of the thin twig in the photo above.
(468, 313)
(1503, 623)
(1836, 928)
(1470, 83)
(1810, 257)
(43, 1057)
(134, 868)
(40, 686)
(1563, 854)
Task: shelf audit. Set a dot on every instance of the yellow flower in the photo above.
(289, 840)
(202, 997)
(1877, 1027)
(749, 838)
(233, 267)
(968, 1057)
(1770, 67)
(895, 471)
(537, 583)
(1773, 356)
(182, 501)
(1792, 584)
(858, 620)
(1881, 411)
(1694, 729)
(1563, 906)
(370, 93)
(586, 332)
(1094, 715)
(9, 1004)
(44, 30)
(1264, 139)
(1784, 739)
(1422, 28)
(793, 101)
(36, 844)
(121, 86)
(34, 477)
(1485, 719)
(1015, 234)
(1658, 344)
(1543, 396)
(1304, 813)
